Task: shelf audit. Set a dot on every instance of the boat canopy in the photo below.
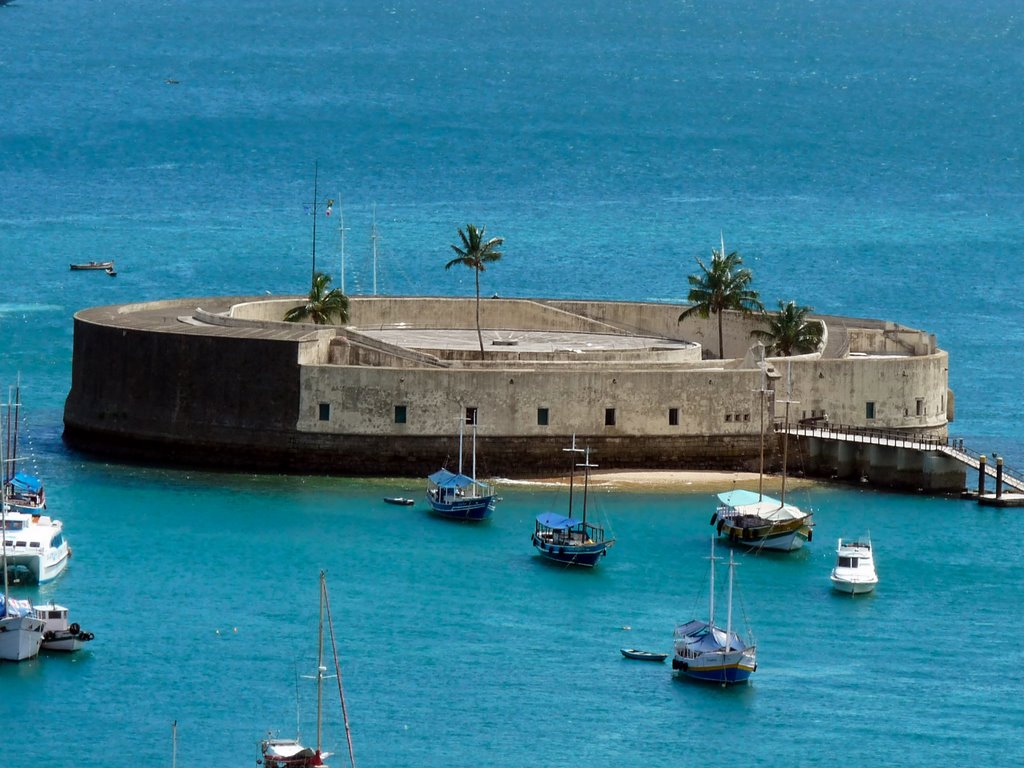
(767, 507)
(446, 479)
(556, 521)
(26, 483)
(15, 607)
(701, 637)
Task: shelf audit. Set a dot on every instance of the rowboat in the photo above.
(93, 265)
(403, 502)
(633, 653)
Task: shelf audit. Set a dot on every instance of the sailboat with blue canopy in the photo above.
(458, 496)
(565, 539)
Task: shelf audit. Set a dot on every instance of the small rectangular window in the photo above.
(869, 411)
(920, 406)
(325, 411)
(542, 417)
(728, 417)
(471, 415)
(400, 414)
(673, 417)
(609, 417)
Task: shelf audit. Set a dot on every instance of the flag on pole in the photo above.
(330, 207)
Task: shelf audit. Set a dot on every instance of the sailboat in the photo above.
(705, 651)
(36, 548)
(291, 753)
(564, 539)
(21, 633)
(457, 496)
(759, 521)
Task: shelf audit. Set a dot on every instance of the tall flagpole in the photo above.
(316, 169)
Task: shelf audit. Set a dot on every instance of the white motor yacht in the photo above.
(854, 573)
(34, 545)
(21, 633)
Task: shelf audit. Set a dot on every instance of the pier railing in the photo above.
(950, 446)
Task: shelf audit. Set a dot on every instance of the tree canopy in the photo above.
(322, 305)
(476, 253)
(789, 331)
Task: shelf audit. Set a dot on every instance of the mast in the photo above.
(785, 433)
(316, 168)
(174, 744)
(462, 424)
(341, 231)
(572, 468)
(320, 669)
(711, 591)
(728, 625)
(474, 455)
(587, 466)
(3, 517)
(762, 391)
(337, 668)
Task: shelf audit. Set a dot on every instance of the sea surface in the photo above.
(863, 157)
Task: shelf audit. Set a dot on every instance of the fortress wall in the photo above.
(460, 314)
(187, 386)
(842, 388)
(363, 400)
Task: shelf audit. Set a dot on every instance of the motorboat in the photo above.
(458, 496)
(104, 265)
(58, 634)
(34, 546)
(638, 655)
(854, 572)
(564, 539)
(703, 650)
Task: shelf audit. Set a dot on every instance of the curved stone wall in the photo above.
(222, 382)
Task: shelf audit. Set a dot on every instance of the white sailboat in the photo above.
(705, 651)
(756, 520)
(291, 753)
(21, 633)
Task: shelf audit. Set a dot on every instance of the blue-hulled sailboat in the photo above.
(564, 539)
(705, 651)
(457, 496)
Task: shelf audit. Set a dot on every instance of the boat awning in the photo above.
(445, 479)
(766, 507)
(556, 521)
(26, 483)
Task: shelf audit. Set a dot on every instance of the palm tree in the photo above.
(722, 286)
(475, 253)
(322, 304)
(790, 332)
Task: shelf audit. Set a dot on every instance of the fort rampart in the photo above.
(223, 382)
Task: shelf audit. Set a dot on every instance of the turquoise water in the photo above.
(865, 159)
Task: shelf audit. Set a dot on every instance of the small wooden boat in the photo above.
(633, 653)
(399, 500)
(111, 271)
(93, 265)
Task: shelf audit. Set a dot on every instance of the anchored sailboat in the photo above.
(291, 753)
(756, 520)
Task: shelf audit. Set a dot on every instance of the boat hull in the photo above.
(473, 509)
(717, 667)
(585, 555)
(632, 653)
(41, 568)
(849, 587)
(782, 541)
(21, 637)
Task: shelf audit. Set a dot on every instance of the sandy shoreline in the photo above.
(695, 481)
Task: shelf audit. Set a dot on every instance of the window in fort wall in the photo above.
(609, 417)
(920, 406)
(400, 414)
(673, 417)
(325, 411)
(542, 417)
(869, 410)
(471, 415)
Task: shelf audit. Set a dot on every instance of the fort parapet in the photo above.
(224, 382)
